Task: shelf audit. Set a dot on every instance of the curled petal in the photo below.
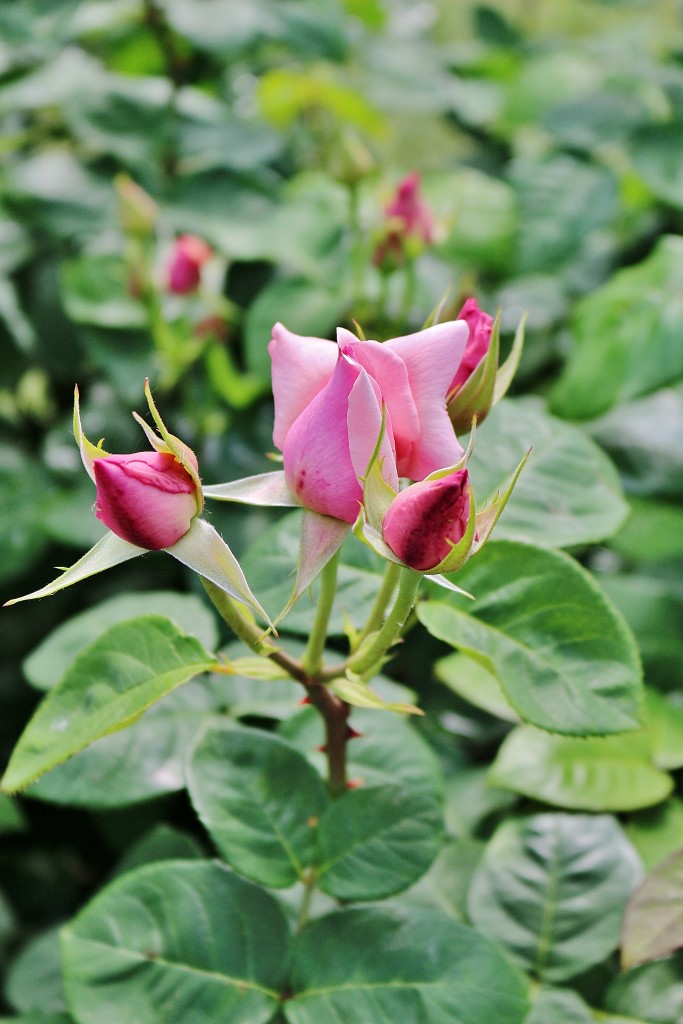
(302, 366)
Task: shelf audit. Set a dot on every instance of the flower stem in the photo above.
(366, 659)
(391, 575)
(313, 655)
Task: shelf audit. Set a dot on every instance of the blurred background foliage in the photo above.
(549, 138)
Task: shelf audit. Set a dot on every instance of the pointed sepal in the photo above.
(204, 550)
(441, 581)
(89, 452)
(489, 515)
(508, 370)
(108, 552)
(168, 442)
(353, 690)
(262, 489)
(320, 538)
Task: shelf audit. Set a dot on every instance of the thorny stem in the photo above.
(333, 710)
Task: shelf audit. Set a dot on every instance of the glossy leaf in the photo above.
(568, 493)
(34, 981)
(177, 942)
(552, 888)
(610, 773)
(569, 664)
(45, 666)
(653, 925)
(372, 965)
(376, 841)
(653, 992)
(108, 687)
(260, 801)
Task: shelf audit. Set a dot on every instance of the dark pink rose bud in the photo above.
(480, 325)
(188, 256)
(408, 207)
(147, 498)
(427, 519)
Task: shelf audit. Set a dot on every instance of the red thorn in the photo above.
(351, 733)
(303, 701)
(354, 783)
(322, 749)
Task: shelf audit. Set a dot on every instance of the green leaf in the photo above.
(34, 981)
(656, 832)
(23, 485)
(95, 290)
(569, 492)
(11, 816)
(375, 841)
(656, 153)
(144, 761)
(653, 532)
(555, 1005)
(357, 693)
(371, 965)
(653, 925)
(568, 663)
(665, 727)
(607, 773)
(552, 889)
(176, 942)
(638, 317)
(261, 802)
(653, 992)
(475, 684)
(50, 660)
(161, 842)
(479, 214)
(108, 687)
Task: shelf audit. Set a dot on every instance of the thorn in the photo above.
(322, 749)
(304, 700)
(351, 733)
(354, 783)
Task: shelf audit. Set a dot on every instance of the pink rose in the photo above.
(147, 498)
(480, 325)
(426, 520)
(188, 256)
(328, 407)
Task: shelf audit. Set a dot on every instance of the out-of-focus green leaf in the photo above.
(665, 726)
(653, 532)
(657, 154)
(55, 191)
(478, 216)
(162, 842)
(627, 336)
(15, 320)
(653, 992)
(370, 965)
(11, 817)
(653, 924)
(569, 663)
(215, 944)
(475, 684)
(610, 773)
(657, 831)
(95, 290)
(25, 491)
(552, 1005)
(34, 980)
(653, 611)
(642, 438)
(109, 685)
(552, 889)
(568, 493)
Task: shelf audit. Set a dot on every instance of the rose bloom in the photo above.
(188, 256)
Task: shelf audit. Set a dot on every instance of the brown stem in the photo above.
(335, 713)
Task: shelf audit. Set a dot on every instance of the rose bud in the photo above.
(147, 498)
(188, 256)
(408, 218)
(427, 520)
(480, 325)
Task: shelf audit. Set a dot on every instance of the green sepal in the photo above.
(435, 315)
(441, 581)
(263, 489)
(320, 538)
(108, 552)
(490, 513)
(171, 444)
(438, 474)
(475, 397)
(89, 452)
(507, 371)
(204, 550)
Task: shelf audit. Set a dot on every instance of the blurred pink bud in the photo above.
(188, 256)
(427, 519)
(480, 325)
(146, 498)
(407, 217)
